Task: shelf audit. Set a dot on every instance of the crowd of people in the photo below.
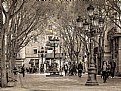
(31, 69)
(108, 69)
(73, 69)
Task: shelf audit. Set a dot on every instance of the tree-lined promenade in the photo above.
(22, 20)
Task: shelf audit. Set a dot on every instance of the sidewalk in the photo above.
(39, 82)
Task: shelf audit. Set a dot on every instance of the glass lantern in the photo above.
(86, 25)
(101, 22)
(79, 22)
(90, 10)
(95, 20)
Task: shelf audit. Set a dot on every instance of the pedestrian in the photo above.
(74, 68)
(23, 70)
(15, 73)
(66, 69)
(80, 69)
(42, 68)
(27, 70)
(104, 71)
(108, 70)
(30, 69)
(69, 68)
(113, 66)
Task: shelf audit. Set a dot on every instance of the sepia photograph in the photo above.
(60, 45)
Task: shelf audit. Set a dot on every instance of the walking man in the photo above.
(80, 69)
(15, 73)
(66, 69)
(23, 70)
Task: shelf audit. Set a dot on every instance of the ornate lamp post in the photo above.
(60, 58)
(54, 44)
(91, 81)
(41, 55)
(100, 51)
(42, 64)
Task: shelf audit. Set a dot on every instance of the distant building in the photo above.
(41, 50)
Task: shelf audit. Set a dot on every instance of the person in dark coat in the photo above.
(15, 70)
(80, 69)
(66, 69)
(70, 68)
(74, 68)
(15, 73)
(23, 70)
(113, 66)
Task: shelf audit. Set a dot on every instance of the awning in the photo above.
(51, 55)
(34, 60)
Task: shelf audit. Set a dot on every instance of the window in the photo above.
(35, 51)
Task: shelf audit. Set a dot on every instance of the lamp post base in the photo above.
(91, 81)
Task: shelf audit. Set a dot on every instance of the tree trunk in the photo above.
(3, 63)
(2, 50)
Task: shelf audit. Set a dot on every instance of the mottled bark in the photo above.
(2, 50)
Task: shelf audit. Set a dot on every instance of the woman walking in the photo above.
(66, 69)
(104, 71)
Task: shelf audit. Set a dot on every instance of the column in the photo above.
(119, 61)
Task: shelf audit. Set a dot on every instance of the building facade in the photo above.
(41, 50)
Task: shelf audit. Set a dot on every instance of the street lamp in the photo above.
(60, 58)
(91, 81)
(100, 58)
(41, 55)
(54, 44)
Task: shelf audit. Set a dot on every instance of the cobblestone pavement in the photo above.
(37, 82)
